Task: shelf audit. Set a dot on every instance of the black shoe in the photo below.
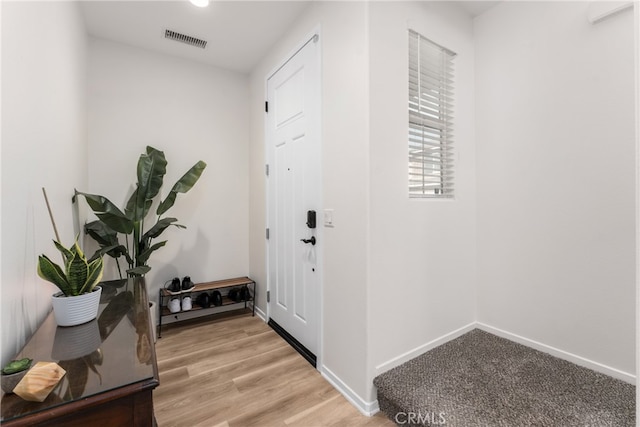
(187, 284)
(174, 288)
(245, 295)
(216, 298)
(203, 300)
(234, 295)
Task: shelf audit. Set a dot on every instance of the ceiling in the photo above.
(238, 33)
(475, 8)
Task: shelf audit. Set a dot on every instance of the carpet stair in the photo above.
(480, 379)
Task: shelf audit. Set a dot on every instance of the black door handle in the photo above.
(312, 240)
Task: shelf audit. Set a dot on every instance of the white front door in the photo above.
(294, 189)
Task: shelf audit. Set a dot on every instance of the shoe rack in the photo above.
(225, 287)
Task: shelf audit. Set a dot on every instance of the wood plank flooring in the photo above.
(233, 370)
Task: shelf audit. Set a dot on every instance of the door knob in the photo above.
(312, 240)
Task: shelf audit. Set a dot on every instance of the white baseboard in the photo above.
(561, 354)
(261, 314)
(411, 354)
(367, 408)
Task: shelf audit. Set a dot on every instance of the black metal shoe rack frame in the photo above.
(224, 286)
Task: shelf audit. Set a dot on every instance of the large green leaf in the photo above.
(108, 213)
(114, 251)
(130, 207)
(159, 227)
(151, 173)
(133, 211)
(183, 185)
(143, 256)
(152, 167)
(106, 238)
(51, 272)
(101, 233)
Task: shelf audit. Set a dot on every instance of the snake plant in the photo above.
(151, 168)
(79, 276)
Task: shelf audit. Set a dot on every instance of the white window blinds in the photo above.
(430, 118)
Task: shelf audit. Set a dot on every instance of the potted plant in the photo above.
(79, 297)
(13, 372)
(138, 232)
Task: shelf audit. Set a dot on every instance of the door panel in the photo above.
(293, 151)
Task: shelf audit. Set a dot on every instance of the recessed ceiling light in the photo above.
(200, 3)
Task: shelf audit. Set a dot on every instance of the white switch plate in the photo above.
(328, 217)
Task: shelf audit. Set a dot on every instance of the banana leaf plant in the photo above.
(138, 234)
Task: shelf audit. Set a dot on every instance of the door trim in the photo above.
(317, 35)
(636, 27)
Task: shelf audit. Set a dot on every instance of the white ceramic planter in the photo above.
(71, 311)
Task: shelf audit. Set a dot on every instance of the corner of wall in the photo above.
(367, 408)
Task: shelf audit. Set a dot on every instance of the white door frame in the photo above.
(320, 217)
(636, 27)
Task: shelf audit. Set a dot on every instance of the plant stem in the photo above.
(126, 238)
(142, 233)
(136, 242)
(119, 270)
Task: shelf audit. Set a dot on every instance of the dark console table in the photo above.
(110, 362)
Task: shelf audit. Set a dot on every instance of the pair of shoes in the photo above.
(205, 301)
(174, 288)
(239, 295)
(176, 304)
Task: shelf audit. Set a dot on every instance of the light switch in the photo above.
(328, 217)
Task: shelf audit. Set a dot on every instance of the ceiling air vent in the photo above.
(172, 35)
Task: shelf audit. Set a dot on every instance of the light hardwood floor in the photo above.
(235, 371)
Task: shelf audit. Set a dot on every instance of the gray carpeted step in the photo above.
(480, 379)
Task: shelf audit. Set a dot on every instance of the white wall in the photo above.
(345, 181)
(191, 112)
(422, 281)
(43, 145)
(554, 251)
(555, 160)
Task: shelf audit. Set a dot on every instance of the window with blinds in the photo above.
(430, 119)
